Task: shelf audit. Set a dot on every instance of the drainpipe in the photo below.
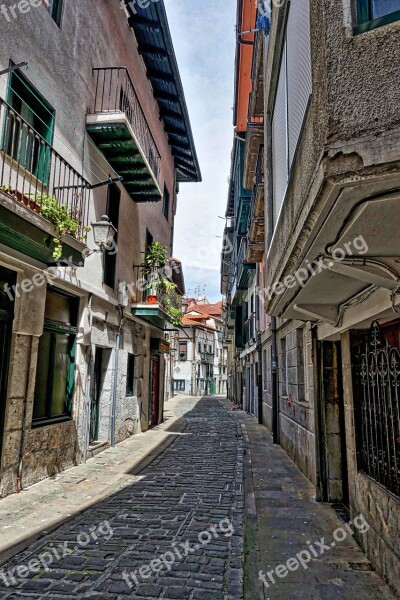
(116, 366)
(22, 442)
(259, 351)
(270, 232)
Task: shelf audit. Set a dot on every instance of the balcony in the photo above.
(156, 310)
(256, 225)
(245, 270)
(254, 139)
(120, 130)
(207, 358)
(38, 187)
(250, 331)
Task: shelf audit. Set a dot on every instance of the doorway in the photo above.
(154, 390)
(7, 278)
(96, 396)
(333, 484)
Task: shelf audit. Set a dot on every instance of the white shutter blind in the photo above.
(279, 142)
(298, 69)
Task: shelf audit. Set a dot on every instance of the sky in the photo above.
(203, 32)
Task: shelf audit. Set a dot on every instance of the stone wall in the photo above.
(296, 395)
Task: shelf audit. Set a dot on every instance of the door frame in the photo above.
(321, 367)
(154, 389)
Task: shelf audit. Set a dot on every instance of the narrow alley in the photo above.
(177, 531)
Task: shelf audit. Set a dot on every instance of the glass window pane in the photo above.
(61, 309)
(380, 8)
(42, 377)
(62, 363)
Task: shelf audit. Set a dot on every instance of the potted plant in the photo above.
(156, 257)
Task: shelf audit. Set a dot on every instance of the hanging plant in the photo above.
(58, 214)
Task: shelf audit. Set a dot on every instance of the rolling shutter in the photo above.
(280, 142)
(298, 70)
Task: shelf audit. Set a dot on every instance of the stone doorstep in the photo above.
(128, 469)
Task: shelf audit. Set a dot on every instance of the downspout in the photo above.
(22, 442)
(194, 363)
(116, 366)
(270, 232)
(87, 407)
(259, 351)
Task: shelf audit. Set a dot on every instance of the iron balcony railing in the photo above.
(115, 93)
(250, 330)
(32, 172)
(147, 282)
(254, 120)
(207, 358)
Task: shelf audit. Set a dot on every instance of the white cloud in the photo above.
(204, 41)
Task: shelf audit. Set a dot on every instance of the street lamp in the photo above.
(103, 232)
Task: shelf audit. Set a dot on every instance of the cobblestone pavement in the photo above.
(176, 531)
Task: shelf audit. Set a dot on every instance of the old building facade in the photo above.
(330, 344)
(88, 130)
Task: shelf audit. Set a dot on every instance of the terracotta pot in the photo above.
(152, 300)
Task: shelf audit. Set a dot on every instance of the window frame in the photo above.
(130, 389)
(55, 328)
(56, 11)
(166, 203)
(364, 20)
(179, 385)
(113, 212)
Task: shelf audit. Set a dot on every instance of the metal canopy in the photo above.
(151, 29)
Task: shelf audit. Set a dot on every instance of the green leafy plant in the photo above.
(156, 255)
(155, 258)
(57, 214)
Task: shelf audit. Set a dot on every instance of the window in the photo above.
(110, 256)
(182, 351)
(130, 376)
(375, 13)
(166, 203)
(55, 8)
(56, 359)
(19, 139)
(199, 347)
(292, 97)
(179, 385)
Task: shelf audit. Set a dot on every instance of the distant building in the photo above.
(201, 367)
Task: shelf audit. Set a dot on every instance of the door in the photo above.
(5, 339)
(7, 280)
(332, 449)
(95, 405)
(154, 389)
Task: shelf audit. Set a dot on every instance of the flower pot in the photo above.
(152, 299)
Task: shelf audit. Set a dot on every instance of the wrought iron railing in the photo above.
(250, 331)
(207, 357)
(32, 172)
(148, 281)
(254, 120)
(377, 404)
(115, 93)
(259, 181)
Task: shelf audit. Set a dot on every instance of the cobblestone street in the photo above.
(182, 510)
